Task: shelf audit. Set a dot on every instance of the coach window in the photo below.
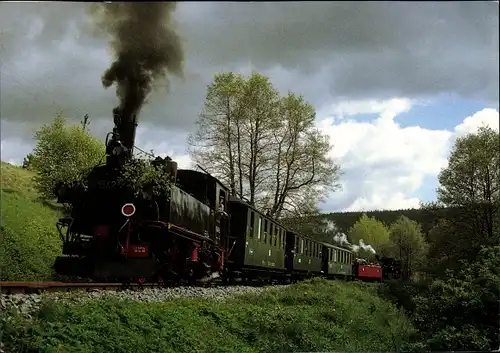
(266, 225)
(264, 234)
(251, 225)
(276, 236)
(302, 246)
(259, 229)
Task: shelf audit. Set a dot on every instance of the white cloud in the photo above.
(472, 123)
(384, 163)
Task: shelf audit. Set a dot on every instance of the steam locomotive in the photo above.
(198, 232)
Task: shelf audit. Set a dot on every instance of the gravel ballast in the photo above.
(28, 303)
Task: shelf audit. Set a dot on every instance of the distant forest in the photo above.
(427, 218)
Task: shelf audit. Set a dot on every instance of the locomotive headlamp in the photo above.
(128, 210)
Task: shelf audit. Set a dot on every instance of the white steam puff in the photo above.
(341, 238)
(363, 246)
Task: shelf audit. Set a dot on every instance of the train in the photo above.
(197, 232)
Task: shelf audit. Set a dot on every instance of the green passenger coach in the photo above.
(259, 242)
(337, 261)
(307, 253)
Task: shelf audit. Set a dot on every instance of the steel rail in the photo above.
(11, 287)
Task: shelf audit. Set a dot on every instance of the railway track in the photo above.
(36, 287)
(8, 288)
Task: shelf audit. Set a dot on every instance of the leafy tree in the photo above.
(471, 183)
(217, 143)
(407, 245)
(460, 312)
(263, 145)
(469, 187)
(372, 232)
(63, 153)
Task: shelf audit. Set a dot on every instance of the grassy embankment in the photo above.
(312, 316)
(29, 241)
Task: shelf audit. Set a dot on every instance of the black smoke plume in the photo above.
(145, 45)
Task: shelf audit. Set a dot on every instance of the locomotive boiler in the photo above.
(116, 233)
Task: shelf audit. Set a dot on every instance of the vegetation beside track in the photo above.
(315, 315)
(29, 241)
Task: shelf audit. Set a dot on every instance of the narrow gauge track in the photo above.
(7, 288)
(36, 287)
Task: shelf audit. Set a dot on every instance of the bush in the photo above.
(63, 153)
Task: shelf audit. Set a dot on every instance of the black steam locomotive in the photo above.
(198, 231)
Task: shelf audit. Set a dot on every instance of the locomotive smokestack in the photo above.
(127, 123)
(146, 48)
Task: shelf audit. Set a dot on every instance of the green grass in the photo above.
(29, 241)
(317, 315)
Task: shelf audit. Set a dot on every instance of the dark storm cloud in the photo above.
(325, 50)
(373, 48)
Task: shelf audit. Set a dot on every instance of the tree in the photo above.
(372, 232)
(263, 145)
(217, 143)
(63, 153)
(469, 186)
(301, 173)
(408, 245)
(471, 182)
